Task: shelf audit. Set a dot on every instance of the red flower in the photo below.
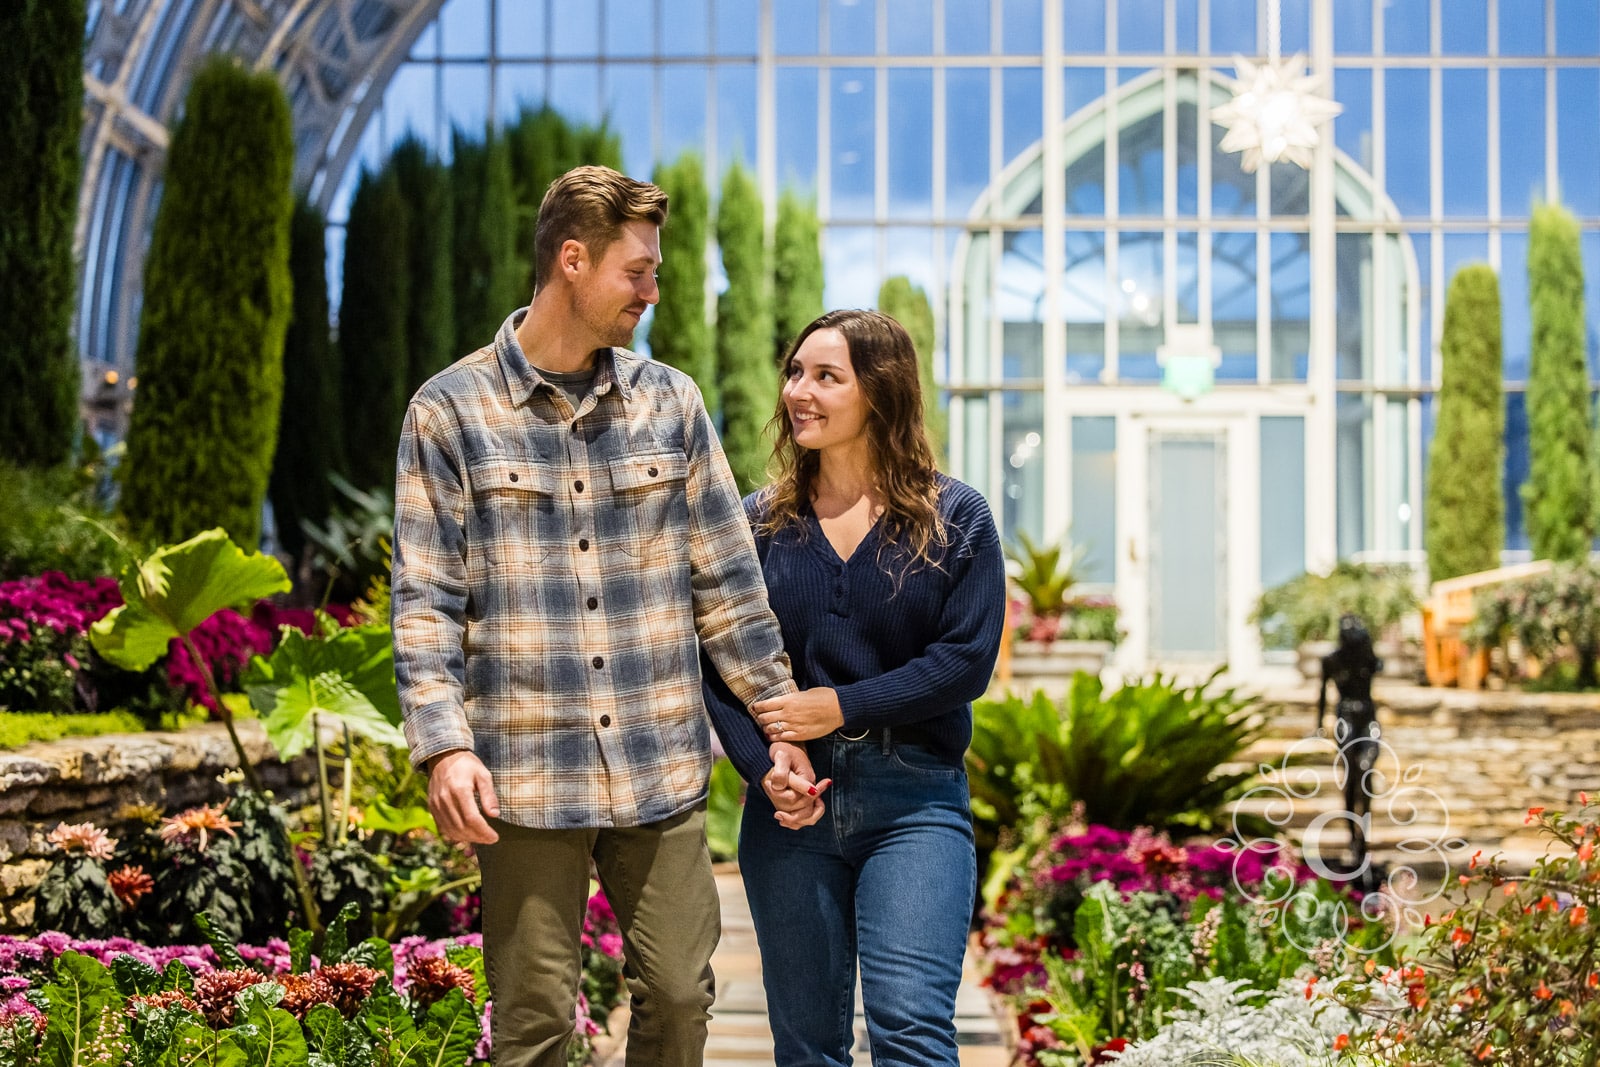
(1101, 1053)
(130, 883)
(1461, 936)
(1543, 992)
(1341, 1042)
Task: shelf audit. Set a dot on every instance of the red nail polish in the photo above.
(813, 790)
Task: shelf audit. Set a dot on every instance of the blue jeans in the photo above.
(887, 876)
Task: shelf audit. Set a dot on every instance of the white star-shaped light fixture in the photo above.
(1275, 112)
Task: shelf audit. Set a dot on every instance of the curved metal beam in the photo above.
(334, 59)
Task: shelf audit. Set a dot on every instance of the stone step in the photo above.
(739, 1034)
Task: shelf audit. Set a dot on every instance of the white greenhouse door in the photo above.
(1188, 559)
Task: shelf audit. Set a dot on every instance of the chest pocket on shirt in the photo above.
(650, 490)
(517, 517)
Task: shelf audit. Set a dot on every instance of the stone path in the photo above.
(740, 1036)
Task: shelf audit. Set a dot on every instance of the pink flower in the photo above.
(85, 837)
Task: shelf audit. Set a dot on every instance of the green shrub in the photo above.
(1555, 617)
(55, 519)
(430, 313)
(1308, 607)
(748, 383)
(489, 277)
(311, 419)
(18, 728)
(1509, 976)
(1465, 508)
(908, 305)
(797, 280)
(373, 330)
(724, 811)
(1558, 498)
(41, 121)
(679, 334)
(542, 144)
(1043, 574)
(351, 547)
(1150, 753)
(216, 308)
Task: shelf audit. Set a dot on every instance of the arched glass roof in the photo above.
(333, 58)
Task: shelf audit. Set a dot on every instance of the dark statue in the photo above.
(1351, 667)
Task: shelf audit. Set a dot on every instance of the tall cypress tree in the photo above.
(749, 385)
(1558, 498)
(796, 271)
(489, 279)
(908, 305)
(311, 420)
(679, 334)
(430, 312)
(544, 145)
(216, 308)
(41, 115)
(373, 353)
(1466, 510)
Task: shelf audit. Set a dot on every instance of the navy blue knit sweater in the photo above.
(917, 654)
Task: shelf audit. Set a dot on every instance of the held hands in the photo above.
(458, 786)
(789, 785)
(799, 716)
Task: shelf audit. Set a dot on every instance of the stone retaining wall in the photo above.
(1475, 760)
(1479, 760)
(92, 778)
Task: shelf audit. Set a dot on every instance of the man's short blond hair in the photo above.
(591, 205)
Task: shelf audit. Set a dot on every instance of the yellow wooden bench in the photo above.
(1446, 613)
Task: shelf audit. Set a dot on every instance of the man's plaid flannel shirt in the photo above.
(553, 571)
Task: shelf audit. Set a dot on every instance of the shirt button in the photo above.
(593, 603)
(583, 544)
(574, 427)
(513, 475)
(605, 720)
(578, 485)
(652, 472)
(599, 661)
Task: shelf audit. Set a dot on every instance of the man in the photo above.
(567, 535)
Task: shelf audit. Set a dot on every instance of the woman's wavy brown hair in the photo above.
(885, 364)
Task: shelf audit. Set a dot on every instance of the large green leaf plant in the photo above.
(343, 676)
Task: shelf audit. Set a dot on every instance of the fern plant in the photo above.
(1150, 753)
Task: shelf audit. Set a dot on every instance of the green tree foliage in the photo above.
(489, 278)
(796, 271)
(1558, 498)
(1465, 508)
(430, 312)
(373, 353)
(908, 305)
(744, 330)
(311, 421)
(679, 334)
(216, 309)
(41, 104)
(543, 146)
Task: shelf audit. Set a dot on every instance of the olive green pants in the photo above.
(535, 891)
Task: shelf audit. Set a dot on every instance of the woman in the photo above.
(889, 584)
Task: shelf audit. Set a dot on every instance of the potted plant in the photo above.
(1303, 614)
(1055, 632)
